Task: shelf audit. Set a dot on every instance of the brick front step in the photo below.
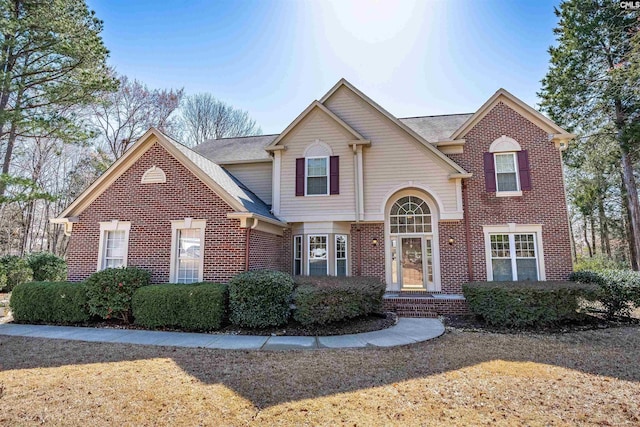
(425, 305)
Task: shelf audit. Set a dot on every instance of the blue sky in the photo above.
(273, 58)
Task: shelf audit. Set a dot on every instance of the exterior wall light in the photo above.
(451, 240)
(374, 242)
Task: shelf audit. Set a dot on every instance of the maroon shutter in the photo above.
(334, 177)
(300, 177)
(523, 169)
(489, 173)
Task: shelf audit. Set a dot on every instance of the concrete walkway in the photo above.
(406, 331)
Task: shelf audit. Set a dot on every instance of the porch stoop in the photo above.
(424, 304)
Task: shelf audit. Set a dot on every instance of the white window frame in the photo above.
(326, 237)
(511, 193)
(306, 175)
(512, 229)
(186, 224)
(297, 240)
(346, 254)
(114, 225)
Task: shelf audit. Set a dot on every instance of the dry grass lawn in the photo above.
(462, 378)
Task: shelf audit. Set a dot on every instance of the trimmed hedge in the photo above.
(258, 299)
(109, 291)
(322, 300)
(49, 302)
(195, 307)
(526, 304)
(47, 267)
(17, 271)
(618, 290)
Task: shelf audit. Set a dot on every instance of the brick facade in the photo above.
(367, 259)
(544, 204)
(266, 251)
(150, 208)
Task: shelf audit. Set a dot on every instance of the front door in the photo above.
(416, 262)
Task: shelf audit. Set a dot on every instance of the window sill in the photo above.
(508, 193)
(317, 195)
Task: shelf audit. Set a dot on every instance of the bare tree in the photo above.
(125, 115)
(205, 117)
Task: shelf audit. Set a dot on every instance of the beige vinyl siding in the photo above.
(316, 126)
(394, 158)
(256, 176)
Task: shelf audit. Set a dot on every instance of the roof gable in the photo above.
(406, 129)
(515, 104)
(225, 185)
(314, 105)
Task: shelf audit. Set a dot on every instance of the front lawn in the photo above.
(462, 378)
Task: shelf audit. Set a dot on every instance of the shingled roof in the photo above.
(436, 128)
(228, 150)
(252, 148)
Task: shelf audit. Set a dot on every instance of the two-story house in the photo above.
(424, 203)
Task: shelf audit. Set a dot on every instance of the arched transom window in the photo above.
(410, 214)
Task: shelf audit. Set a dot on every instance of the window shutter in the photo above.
(334, 178)
(489, 173)
(300, 176)
(523, 169)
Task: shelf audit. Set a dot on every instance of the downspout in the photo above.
(467, 227)
(356, 184)
(248, 241)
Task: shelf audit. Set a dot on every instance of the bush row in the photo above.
(526, 304)
(255, 299)
(618, 290)
(41, 266)
(321, 300)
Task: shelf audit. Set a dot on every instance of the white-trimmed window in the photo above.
(317, 258)
(114, 244)
(341, 255)
(506, 172)
(297, 255)
(514, 253)
(187, 250)
(317, 176)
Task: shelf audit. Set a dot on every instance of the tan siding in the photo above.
(256, 176)
(317, 125)
(394, 158)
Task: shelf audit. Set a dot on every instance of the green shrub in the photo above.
(618, 290)
(195, 307)
(109, 291)
(526, 304)
(49, 302)
(47, 267)
(3, 277)
(599, 263)
(321, 300)
(258, 299)
(17, 271)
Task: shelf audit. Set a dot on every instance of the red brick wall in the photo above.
(453, 258)
(545, 204)
(287, 251)
(266, 251)
(150, 208)
(366, 259)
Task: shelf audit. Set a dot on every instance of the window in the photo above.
(506, 172)
(513, 257)
(114, 244)
(317, 263)
(297, 255)
(410, 214)
(317, 181)
(341, 255)
(506, 168)
(187, 250)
